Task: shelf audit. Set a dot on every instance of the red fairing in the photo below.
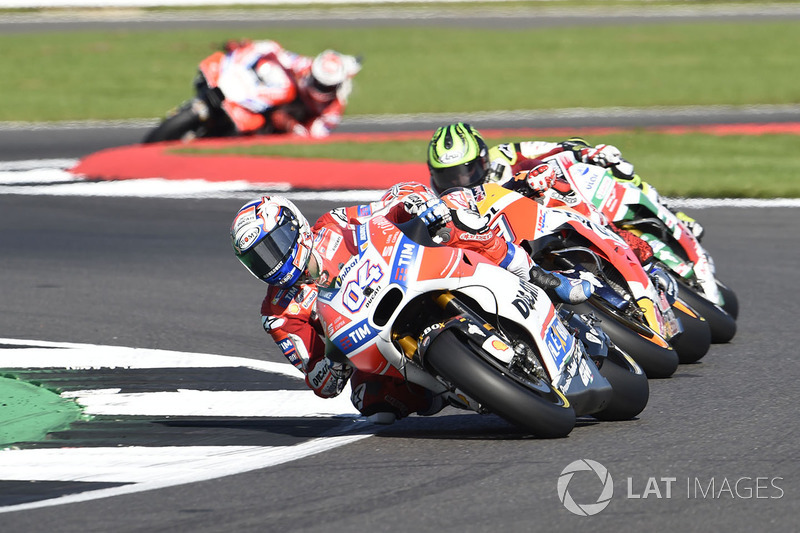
(210, 68)
(245, 120)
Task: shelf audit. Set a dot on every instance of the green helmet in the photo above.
(457, 157)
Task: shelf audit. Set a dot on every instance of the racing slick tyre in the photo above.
(695, 340)
(731, 305)
(534, 406)
(629, 384)
(174, 127)
(651, 352)
(723, 325)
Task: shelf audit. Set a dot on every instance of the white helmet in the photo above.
(329, 71)
(272, 239)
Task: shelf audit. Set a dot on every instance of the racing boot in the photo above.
(561, 288)
(383, 400)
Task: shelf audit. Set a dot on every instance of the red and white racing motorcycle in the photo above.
(655, 328)
(232, 99)
(675, 246)
(450, 321)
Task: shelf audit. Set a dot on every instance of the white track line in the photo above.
(48, 177)
(149, 468)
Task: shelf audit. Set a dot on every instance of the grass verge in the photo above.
(141, 74)
(687, 165)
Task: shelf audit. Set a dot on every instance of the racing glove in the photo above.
(283, 122)
(540, 178)
(414, 203)
(693, 225)
(604, 155)
(327, 378)
(435, 214)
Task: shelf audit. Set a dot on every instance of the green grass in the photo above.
(141, 74)
(128, 74)
(691, 165)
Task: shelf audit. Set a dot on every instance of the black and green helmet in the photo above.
(457, 157)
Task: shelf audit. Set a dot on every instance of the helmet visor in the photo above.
(266, 258)
(466, 175)
(320, 92)
(321, 87)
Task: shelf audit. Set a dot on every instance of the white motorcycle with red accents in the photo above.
(656, 329)
(674, 245)
(450, 321)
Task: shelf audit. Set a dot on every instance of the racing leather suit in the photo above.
(518, 158)
(289, 316)
(265, 90)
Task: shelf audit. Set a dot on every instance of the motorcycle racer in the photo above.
(518, 167)
(267, 86)
(509, 159)
(273, 240)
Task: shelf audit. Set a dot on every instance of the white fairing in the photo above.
(597, 187)
(241, 84)
(493, 288)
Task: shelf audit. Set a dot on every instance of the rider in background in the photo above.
(507, 160)
(458, 157)
(451, 165)
(269, 88)
(273, 240)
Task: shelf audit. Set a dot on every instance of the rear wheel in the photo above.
(695, 340)
(656, 361)
(535, 407)
(631, 391)
(723, 325)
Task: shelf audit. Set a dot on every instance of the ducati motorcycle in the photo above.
(674, 245)
(448, 320)
(640, 314)
(210, 114)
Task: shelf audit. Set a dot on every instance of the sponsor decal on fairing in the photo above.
(405, 258)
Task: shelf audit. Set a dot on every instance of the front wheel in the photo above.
(176, 126)
(657, 361)
(537, 408)
(630, 389)
(723, 325)
(695, 340)
(731, 305)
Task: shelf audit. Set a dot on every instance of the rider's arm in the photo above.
(288, 316)
(509, 159)
(328, 119)
(512, 158)
(469, 230)
(283, 122)
(397, 204)
(320, 126)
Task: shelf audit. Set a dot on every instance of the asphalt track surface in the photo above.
(158, 273)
